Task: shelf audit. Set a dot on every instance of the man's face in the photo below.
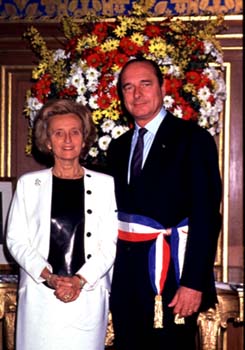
(143, 96)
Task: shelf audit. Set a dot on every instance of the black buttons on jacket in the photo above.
(89, 211)
(89, 256)
(89, 234)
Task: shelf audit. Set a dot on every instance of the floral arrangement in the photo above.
(86, 69)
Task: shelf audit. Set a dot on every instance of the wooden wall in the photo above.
(16, 62)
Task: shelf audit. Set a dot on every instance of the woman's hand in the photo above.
(67, 288)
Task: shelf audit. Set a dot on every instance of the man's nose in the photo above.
(137, 91)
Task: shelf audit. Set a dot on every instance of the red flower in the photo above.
(95, 60)
(189, 113)
(42, 87)
(70, 91)
(101, 31)
(120, 59)
(70, 48)
(193, 77)
(103, 101)
(152, 31)
(113, 92)
(172, 85)
(129, 47)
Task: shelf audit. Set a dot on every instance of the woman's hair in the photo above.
(61, 107)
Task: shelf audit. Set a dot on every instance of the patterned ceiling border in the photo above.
(53, 11)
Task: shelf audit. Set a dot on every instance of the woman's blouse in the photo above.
(66, 252)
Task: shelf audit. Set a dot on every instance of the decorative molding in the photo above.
(6, 89)
(53, 11)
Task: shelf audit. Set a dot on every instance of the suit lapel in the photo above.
(160, 149)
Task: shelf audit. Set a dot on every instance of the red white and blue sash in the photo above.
(138, 228)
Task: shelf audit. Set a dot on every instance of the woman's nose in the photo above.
(67, 137)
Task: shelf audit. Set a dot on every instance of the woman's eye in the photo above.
(58, 133)
(75, 132)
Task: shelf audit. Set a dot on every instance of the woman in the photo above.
(62, 232)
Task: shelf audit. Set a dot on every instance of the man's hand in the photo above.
(186, 301)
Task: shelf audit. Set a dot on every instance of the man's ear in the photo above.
(163, 87)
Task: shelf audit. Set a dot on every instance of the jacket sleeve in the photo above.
(20, 239)
(205, 219)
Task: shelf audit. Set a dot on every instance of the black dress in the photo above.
(66, 252)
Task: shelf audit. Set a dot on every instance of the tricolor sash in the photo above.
(139, 228)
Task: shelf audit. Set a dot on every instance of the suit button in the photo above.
(89, 256)
(89, 211)
(89, 192)
(89, 234)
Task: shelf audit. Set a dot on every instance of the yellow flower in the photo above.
(158, 47)
(39, 70)
(112, 114)
(120, 31)
(110, 45)
(190, 88)
(97, 115)
(138, 39)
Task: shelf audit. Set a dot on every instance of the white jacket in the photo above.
(28, 237)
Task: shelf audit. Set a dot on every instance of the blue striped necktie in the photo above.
(136, 162)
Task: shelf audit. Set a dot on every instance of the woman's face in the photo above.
(65, 137)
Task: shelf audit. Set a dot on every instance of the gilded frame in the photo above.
(6, 192)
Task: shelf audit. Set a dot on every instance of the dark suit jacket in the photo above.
(180, 179)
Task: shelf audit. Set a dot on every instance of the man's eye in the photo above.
(147, 83)
(127, 88)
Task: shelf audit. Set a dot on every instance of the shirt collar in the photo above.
(154, 124)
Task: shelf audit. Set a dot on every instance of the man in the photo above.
(178, 187)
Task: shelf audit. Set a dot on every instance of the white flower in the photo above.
(220, 90)
(202, 121)
(60, 54)
(204, 93)
(178, 112)
(93, 152)
(205, 107)
(208, 47)
(92, 85)
(82, 99)
(92, 74)
(107, 125)
(168, 101)
(77, 80)
(103, 142)
(118, 131)
(81, 90)
(92, 102)
(174, 70)
(34, 104)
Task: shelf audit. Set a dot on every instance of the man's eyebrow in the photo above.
(141, 81)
